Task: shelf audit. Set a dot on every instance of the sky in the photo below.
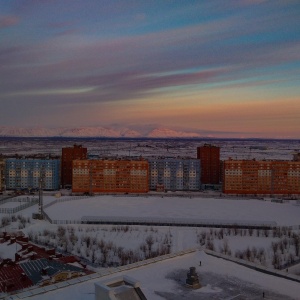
(220, 68)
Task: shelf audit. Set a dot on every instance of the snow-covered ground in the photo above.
(160, 207)
(240, 149)
(220, 279)
(8, 250)
(216, 274)
(10, 204)
(220, 209)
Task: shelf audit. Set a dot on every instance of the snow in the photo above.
(157, 283)
(201, 208)
(157, 279)
(237, 149)
(169, 133)
(8, 250)
(90, 131)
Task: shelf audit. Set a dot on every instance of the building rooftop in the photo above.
(37, 269)
(12, 277)
(119, 288)
(220, 279)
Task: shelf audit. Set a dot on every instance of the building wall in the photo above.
(2, 175)
(210, 163)
(296, 157)
(261, 177)
(174, 174)
(110, 176)
(25, 173)
(68, 155)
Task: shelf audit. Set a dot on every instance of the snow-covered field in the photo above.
(88, 241)
(220, 209)
(10, 205)
(114, 245)
(247, 149)
(220, 279)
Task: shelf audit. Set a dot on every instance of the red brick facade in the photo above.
(261, 177)
(209, 156)
(68, 155)
(110, 176)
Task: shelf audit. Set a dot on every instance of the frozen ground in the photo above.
(247, 149)
(178, 207)
(181, 238)
(220, 279)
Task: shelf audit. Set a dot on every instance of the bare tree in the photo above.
(274, 247)
(238, 254)
(61, 231)
(254, 252)
(235, 230)
(281, 247)
(285, 242)
(5, 221)
(150, 242)
(93, 256)
(262, 255)
(143, 248)
(291, 258)
(248, 253)
(210, 245)
(296, 241)
(250, 231)
(221, 234)
(276, 261)
(225, 248)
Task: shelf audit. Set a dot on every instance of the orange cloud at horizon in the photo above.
(272, 118)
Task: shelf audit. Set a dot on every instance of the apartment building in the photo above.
(68, 155)
(174, 174)
(110, 176)
(210, 163)
(25, 173)
(261, 177)
(2, 175)
(296, 157)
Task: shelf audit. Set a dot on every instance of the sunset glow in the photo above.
(218, 68)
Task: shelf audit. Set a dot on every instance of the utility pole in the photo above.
(41, 198)
(41, 183)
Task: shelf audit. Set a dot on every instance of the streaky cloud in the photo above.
(8, 21)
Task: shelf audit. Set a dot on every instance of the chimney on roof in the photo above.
(44, 271)
(17, 256)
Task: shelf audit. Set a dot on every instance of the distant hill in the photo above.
(94, 132)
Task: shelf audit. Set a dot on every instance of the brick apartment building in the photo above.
(68, 155)
(261, 177)
(209, 156)
(110, 176)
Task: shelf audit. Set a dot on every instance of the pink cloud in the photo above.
(8, 21)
